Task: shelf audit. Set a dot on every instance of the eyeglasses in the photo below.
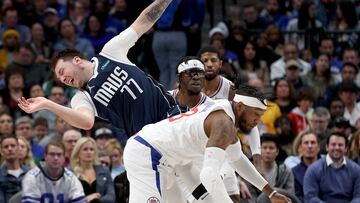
(104, 163)
(194, 71)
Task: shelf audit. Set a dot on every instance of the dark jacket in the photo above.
(9, 184)
(104, 184)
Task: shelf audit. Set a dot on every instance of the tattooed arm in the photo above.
(149, 16)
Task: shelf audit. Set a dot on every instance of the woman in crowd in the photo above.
(320, 77)
(25, 154)
(354, 147)
(6, 123)
(116, 155)
(252, 65)
(95, 178)
(284, 95)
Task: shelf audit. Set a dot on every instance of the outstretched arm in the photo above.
(81, 118)
(149, 16)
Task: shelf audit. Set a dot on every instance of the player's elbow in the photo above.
(87, 124)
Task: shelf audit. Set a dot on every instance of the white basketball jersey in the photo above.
(36, 186)
(222, 92)
(181, 139)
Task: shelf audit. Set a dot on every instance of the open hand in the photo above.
(32, 104)
(279, 198)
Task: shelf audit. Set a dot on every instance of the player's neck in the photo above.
(12, 164)
(189, 100)
(211, 85)
(88, 69)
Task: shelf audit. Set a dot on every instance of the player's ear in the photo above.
(76, 60)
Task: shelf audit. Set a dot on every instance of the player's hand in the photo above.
(92, 196)
(279, 198)
(244, 191)
(32, 104)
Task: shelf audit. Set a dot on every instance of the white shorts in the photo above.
(144, 172)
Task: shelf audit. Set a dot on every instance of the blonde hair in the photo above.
(298, 140)
(112, 144)
(75, 159)
(28, 160)
(354, 146)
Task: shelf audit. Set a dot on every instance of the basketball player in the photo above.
(209, 129)
(111, 87)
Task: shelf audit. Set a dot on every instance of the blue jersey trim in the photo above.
(155, 159)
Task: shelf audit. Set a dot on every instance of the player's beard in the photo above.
(243, 127)
(211, 76)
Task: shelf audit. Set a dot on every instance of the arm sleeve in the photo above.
(80, 99)
(109, 196)
(243, 166)
(76, 191)
(254, 141)
(118, 47)
(311, 186)
(229, 179)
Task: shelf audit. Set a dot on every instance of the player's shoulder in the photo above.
(227, 81)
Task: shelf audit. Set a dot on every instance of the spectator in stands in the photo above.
(351, 55)
(41, 129)
(348, 92)
(298, 115)
(56, 95)
(278, 175)
(284, 95)
(251, 64)
(169, 31)
(11, 22)
(252, 19)
(283, 126)
(25, 61)
(11, 171)
(324, 180)
(11, 44)
(95, 32)
(115, 152)
(272, 14)
(78, 15)
(70, 40)
(277, 69)
(86, 166)
(60, 127)
(292, 73)
(69, 139)
(292, 160)
(319, 78)
(326, 12)
(327, 47)
(15, 81)
(40, 47)
(25, 154)
(346, 20)
(23, 127)
(319, 126)
(6, 123)
(102, 136)
(306, 21)
(119, 11)
(275, 39)
(341, 125)
(51, 21)
(104, 159)
(354, 147)
(309, 143)
(337, 108)
(36, 91)
(348, 73)
(111, 24)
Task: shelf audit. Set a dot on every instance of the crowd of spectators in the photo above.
(303, 53)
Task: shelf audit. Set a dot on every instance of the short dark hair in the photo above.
(305, 93)
(267, 137)
(40, 121)
(351, 65)
(210, 49)
(338, 134)
(56, 144)
(251, 91)
(66, 54)
(8, 136)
